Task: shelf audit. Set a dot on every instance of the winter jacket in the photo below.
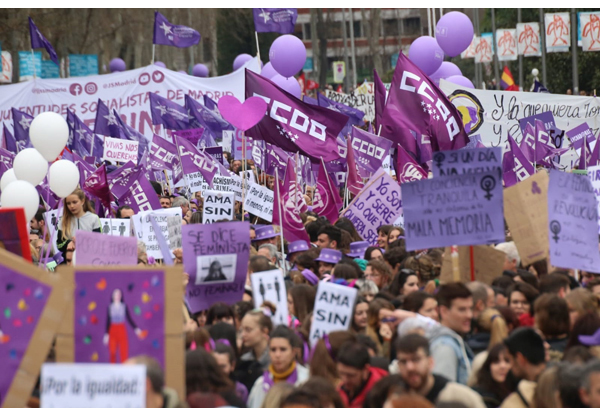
(358, 400)
(258, 392)
(451, 355)
(249, 369)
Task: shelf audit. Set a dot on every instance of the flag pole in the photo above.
(257, 45)
(280, 219)
(153, 50)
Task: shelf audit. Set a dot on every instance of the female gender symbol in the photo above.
(555, 228)
(488, 183)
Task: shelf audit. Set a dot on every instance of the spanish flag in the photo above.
(507, 82)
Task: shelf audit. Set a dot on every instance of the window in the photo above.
(412, 26)
(390, 27)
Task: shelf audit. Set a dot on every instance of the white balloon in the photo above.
(30, 166)
(21, 194)
(8, 177)
(49, 134)
(63, 178)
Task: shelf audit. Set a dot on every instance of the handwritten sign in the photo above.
(96, 249)
(579, 134)
(93, 385)
(117, 150)
(269, 286)
(115, 226)
(218, 206)
(216, 258)
(174, 230)
(594, 175)
(231, 183)
(144, 231)
(377, 204)
(526, 212)
(573, 222)
(453, 210)
(456, 162)
(259, 202)
(334, 305)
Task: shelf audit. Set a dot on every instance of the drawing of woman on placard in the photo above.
(215, 273)
(116, 331)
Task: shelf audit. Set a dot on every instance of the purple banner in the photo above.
(453, 210)
(23, 300)
(275, 20)
(166, 33)
(573, 222)
(216, 152)
(119, 314)
(216, 259)
(581, 134)
(458, 162)
(194, 160)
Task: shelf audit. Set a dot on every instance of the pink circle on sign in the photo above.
(75, 89)
(144, 78)
(91, 88)
(158, 76)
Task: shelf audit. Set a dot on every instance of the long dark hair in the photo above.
(485, 381)
(303, 296)
(203, 374)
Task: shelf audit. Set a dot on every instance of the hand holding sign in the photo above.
(242, 115)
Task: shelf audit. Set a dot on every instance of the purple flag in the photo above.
(407, 169)
(47, 195)
(369, 150)
(573, 222)
(293, 125)
(10, 143)
(194, 160)
(310, 100)
(106, 122)
(163, 154)
(237, 146)
(119, 178)
(80, 135)
(85, 169)
(327, 201)
(380, 95)
(416, 103)
(508, 168)
(579, 135)
(523, 167)
(39, 41)
(169, 114)
(450, 210)
(353, 180)
(140, 195)
(132, 134)
(210, 104)
(289, 197)
(168, 34)
(22, 122)
(276, 159)
(595, 156)
(275, 20)
(201, 116)
(97, 185)
(199, 136)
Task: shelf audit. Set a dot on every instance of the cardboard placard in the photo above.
(488, 264)
(96, 249)
(269, 286)
(526, 212)
(117, 150)
(13, 232)
(33, 305)
(93, 386)
(334, 305)
(152, 303)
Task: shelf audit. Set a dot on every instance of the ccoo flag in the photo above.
(275, 20)
(416, 103)
(39, 41)
(168, 34)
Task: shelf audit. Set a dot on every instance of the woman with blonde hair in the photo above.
(276, 395)
(580, 301)
(78, 214)
(379, 272)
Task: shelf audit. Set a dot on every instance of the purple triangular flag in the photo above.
(169, 114)
(163, 154)
(39, 41)
(169, 34)
(106, 122)
(194, 160)
(275, 20)
(21, 123)
(10, 143)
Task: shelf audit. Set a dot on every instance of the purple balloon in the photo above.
(200, 70)
(161, 64)
(240, 60)
(268, 71)
(447, 69)
(425, 53)
(290, 85)
(287, 55)
(460, 80)
(454, 33)
(117, 65)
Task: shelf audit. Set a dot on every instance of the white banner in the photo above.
(127, 92)
(590, 31)
(506, 44)
(118, 150)
(333, 310)
(270, 286)
(259, 202)
(558, 32)
(528, 39)
(217, 206)
(493, 113)
(483, 50)
(93, 385)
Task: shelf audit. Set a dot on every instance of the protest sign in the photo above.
(377, 204)
(269, 286)
(482, 264)
(231, 183)
(580, 134)
(53, 219)
(594, 175)
(115, 226)
(453, 210)
(216, 258)
(117, 150)
(174, 230)
(13, 233)
(144, 231)
(216, 152)
(33, 304)
(546, 117)
(123, 312)
(259, 202)
(526, 213)
(93, 386)
(573, 222)
(334, 305)
(248, 175)
(457, 162)
(218, 206)
(363, 99)
(96, 249)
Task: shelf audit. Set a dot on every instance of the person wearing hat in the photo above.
(357, 253)
(327, 260)
(265, 235)
(294, 249)
(527, 356)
